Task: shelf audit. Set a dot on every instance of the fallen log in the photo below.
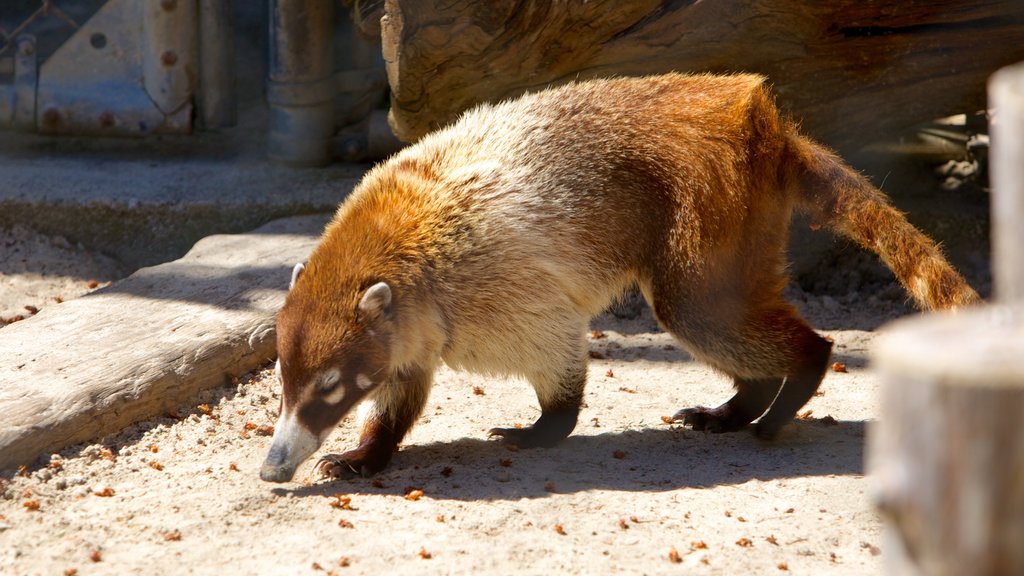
(851, 72)
(148, 343)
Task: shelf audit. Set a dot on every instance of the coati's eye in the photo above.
(330, 388)
(328, 380)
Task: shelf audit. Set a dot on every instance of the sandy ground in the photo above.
(626, 493)
(38, 271)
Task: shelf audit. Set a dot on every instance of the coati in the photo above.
(489, 245)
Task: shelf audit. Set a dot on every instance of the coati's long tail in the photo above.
(835, 195)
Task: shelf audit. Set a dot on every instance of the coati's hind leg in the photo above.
(560, 395)
(389, 414)
(776, 359)
(753, 397)
(809, 362)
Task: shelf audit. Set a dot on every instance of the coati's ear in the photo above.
(296, 272)
(376, 300)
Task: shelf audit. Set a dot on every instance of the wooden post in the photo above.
(947, 455)
(1006, 94)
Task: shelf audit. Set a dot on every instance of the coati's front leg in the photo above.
(752, 398)
(560, 397)
(389, 414)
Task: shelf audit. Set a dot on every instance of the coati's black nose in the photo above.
(275, 467)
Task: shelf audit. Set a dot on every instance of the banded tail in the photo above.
(835, 195)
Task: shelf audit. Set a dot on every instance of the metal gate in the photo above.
(115, 68)
(140, 67)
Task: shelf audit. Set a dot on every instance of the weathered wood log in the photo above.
(852, 72)
(947, 452)
(148, 343)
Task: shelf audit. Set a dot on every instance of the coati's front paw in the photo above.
(551, 428)
(335, 466)
(358, 462)
(714, 420)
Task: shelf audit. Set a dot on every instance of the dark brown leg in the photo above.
(802, 381)
(777, 359)
(752, 398)
(560, 401)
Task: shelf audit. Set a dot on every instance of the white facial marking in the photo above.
(298, 440)
(327, 383)
(363, 382)
(335, 396)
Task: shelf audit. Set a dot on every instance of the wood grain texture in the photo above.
(1006, 95)
(947, 452)
(148, 343)
(851, 72)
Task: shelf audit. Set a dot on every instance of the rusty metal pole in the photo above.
(947, 453)
(26, 75)
(301, 86)
(218, 101)
(18, 100)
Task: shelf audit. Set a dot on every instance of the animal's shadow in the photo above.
(675, 354)
(646, 460)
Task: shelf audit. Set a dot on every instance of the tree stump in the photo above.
(948, 450)
(851, 72)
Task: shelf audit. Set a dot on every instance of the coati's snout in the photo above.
(306, 421)
(293, 442)
(322, 382)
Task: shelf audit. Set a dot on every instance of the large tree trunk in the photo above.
(850, 71)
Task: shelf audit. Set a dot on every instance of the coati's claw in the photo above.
(335, 466)
(521, 437)
(359, 462)
(508, 435)
(551, 428)
(512, 437)
(714, 420)
(501, 432)
(529, 437)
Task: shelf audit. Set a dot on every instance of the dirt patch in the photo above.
(626, 493)
(37, 271)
